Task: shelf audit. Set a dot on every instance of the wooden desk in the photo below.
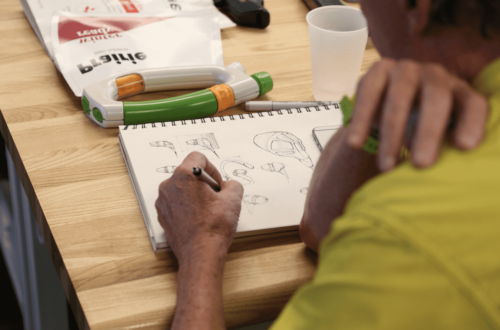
(80, 191)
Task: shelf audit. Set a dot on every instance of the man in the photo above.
(411, 246)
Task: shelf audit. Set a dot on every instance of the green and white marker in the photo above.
(226, 86)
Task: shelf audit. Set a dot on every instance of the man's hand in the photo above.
(193, 214)
(386, 96)
(388, 93)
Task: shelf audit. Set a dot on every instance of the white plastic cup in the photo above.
(338, 37)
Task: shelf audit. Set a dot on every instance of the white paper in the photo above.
(39, 12)
(275, 183)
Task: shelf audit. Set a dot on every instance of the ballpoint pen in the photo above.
(203, 176)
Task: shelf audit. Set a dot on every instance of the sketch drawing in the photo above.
(283, 144)
(242, 174)
(252, 200)
(166, 169)
(164, 144)
(204, 143)
(304, 191)
(198, 142)
(239, 174)
(275, 167)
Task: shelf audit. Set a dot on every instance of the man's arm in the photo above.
(199, 288)
(199, 225)
(339, 172)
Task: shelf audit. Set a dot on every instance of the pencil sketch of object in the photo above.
(275, 167)
(239, 174)
(252, 200)
(242, 174)
(199, 142)
(164, 144)
(283, 144)
(205, 143)
(166, 169)
(304, 191)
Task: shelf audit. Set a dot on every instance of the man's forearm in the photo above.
(340, 171)
(199, 288)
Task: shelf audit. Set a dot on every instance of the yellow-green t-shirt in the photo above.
(415, 249)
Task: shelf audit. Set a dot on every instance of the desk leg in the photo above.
(39, 292)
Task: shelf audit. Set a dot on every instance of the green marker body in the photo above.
(347, 108)
(190, 106)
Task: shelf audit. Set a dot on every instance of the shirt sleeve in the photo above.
(370, 279)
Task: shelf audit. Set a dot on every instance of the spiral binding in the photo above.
(232, 117)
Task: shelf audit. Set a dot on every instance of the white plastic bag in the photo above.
(39, 12)
(88, 49)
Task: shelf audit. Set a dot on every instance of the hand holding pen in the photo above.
(203, 176)
(192, 213)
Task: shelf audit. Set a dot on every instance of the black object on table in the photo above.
(245, 12)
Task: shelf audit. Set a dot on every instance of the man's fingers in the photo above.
(434, 114)
(472, 115)
(370, 93)
(404, 85)
(212, 171)
(197, 159)
(232, 189)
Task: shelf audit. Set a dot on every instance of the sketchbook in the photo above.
(272, 154)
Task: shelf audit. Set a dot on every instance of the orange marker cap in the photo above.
(129, 85)
(224, 95)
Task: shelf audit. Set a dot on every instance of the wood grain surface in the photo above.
(80, 191)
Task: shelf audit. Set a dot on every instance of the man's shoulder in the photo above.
(461, 186)
(370, 276)
(453, 204)
(414, 264)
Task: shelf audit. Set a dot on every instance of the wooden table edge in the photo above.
(50, 243)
